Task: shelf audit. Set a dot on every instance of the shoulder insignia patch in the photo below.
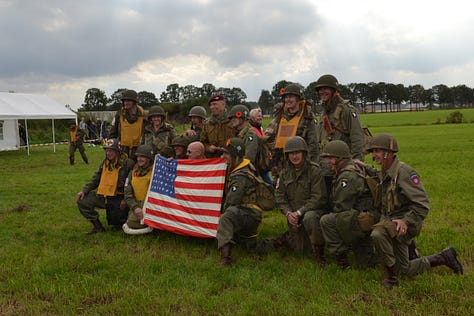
(354, 114)
(250, 138)
(234, 188)
(344, 183)
(415, 179)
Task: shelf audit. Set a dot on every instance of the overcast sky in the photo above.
(62, 48)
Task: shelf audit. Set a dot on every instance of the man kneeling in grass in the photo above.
(404, 205)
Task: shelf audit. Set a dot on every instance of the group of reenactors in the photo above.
(333, 202)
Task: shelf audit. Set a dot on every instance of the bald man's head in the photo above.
(195, 151)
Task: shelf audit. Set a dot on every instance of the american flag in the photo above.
(185, 196)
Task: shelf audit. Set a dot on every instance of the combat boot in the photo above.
(71, 161)
(226, 259)
(319, 255)
(389, 279)
(342, 261)
(447, 257)
(98, 228)
(281, 241)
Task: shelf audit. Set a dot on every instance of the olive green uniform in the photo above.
(197, 137)
(303, 191)
(160, 140)
(307, 129)
(116, 131)
(240, 217)
(91, 200)
(350, 196)
(77, 144)
(250, 138)
(216, 131)
(345, 125)
(401, 196)
(132, 220)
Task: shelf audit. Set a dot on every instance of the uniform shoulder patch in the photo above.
(250, 138)
(354, 114)
(415, 179)
(344, 183)
(234, 188)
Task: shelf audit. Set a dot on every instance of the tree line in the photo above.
(368, 97)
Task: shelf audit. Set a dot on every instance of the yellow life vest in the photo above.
(287, 129)
(140, 185)
(108, 180)
(72, 133)
(131, 133)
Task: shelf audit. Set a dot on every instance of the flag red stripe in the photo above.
(198, 162)
(200, 173)
(176, 230)
(184, 220)
(194, 211)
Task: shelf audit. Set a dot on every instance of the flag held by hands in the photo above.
(185, 196)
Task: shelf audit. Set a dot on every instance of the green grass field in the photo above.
(48, 266)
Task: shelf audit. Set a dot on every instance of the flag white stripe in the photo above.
(188, 204)
(210, 180)
(190, 228)
(174, 212)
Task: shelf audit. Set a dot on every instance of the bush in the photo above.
(454, 117)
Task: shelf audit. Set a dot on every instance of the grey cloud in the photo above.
(90, 38)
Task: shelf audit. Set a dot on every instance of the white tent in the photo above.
(21, 106)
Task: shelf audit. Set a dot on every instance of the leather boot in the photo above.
(226, 259)
(281, 241)
(342, 261)
(389, 279)
(447, 257)
(71, 161)
(413, 252)
(98, 228)
(319, 255)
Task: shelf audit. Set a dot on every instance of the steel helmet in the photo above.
(180, 140)
(112, 143)
(327, 81)
(336, 148)
(198, 110)
(235, 147)
(239, 111)
(292, 88)
(145, 151)
(130, 95)
(156, 110)
(295, 143)
(383, 141)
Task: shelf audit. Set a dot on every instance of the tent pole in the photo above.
(27, 138)
(54, 136)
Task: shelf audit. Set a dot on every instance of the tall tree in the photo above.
(95, 100)
(171, 94)
(265, 102)
(208, 89)
(147, 99)
(115, 100)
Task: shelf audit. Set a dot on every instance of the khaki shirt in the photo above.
(302, 191)
(346, 126)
